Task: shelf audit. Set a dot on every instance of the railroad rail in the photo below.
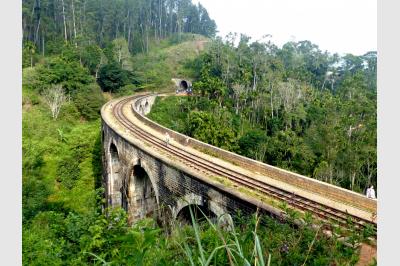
(211, 168)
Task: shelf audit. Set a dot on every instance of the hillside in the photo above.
(165, 62)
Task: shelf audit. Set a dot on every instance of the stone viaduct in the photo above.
(145, 176)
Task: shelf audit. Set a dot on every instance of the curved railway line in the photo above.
(319, 210)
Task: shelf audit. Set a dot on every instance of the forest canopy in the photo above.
(48, 23)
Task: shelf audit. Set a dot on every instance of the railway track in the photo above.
(321, 211)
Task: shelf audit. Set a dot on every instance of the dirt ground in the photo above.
(367, 253)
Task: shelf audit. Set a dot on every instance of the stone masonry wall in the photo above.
(173, 188)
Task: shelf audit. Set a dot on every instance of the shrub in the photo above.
(250, 142)
(58, 70)
(112, 77)
(91, 57)
(89, 101)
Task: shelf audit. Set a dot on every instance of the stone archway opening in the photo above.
(142, 194)
(184, 85)
(199, 212)
(115, 164)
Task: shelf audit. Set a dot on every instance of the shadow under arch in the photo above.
(142, 196)
(198, 211)
(115, 176)
(201, 207)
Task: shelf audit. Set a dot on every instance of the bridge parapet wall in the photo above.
(311, 185)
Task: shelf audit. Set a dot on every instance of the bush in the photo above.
(69, 113)
(91, 57)
(211, 129)
(70, 74)
(30, 78)
(250, 142)
(112, 77)
(89, 101)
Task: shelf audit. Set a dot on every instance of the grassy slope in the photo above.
(164, 62)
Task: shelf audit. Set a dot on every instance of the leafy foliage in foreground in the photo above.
(95, 238)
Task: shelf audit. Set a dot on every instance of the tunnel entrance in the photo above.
(198, 211)
(143, 195)
(184, 85)
(113, 190)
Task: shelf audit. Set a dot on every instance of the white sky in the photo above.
(342, 26)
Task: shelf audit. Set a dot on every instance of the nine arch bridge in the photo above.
(143, 175)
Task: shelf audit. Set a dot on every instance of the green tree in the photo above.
(205, 127)
(59, 70)
(92, 58)
(252, 143)
(29, 49)
(89, 101)
(112, 77)
(121, 53)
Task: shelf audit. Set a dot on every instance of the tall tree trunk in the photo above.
(36, 10)
(160, 14)
(369, 172)
(83, 17)
(73, 20)
(65, 24)
(128, 26)
(147, 39)
(43, 44)
(129, 36)
(272, 105)
(254, 77)
(37, 34)
(353, 179)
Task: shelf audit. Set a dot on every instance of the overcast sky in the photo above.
(342, 26)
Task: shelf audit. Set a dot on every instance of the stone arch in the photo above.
(143, 164)
(224, 218)
(114, 181)
(212, 209)
(198, 212)
(196, 203)
(188, 199)
(142, 193)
